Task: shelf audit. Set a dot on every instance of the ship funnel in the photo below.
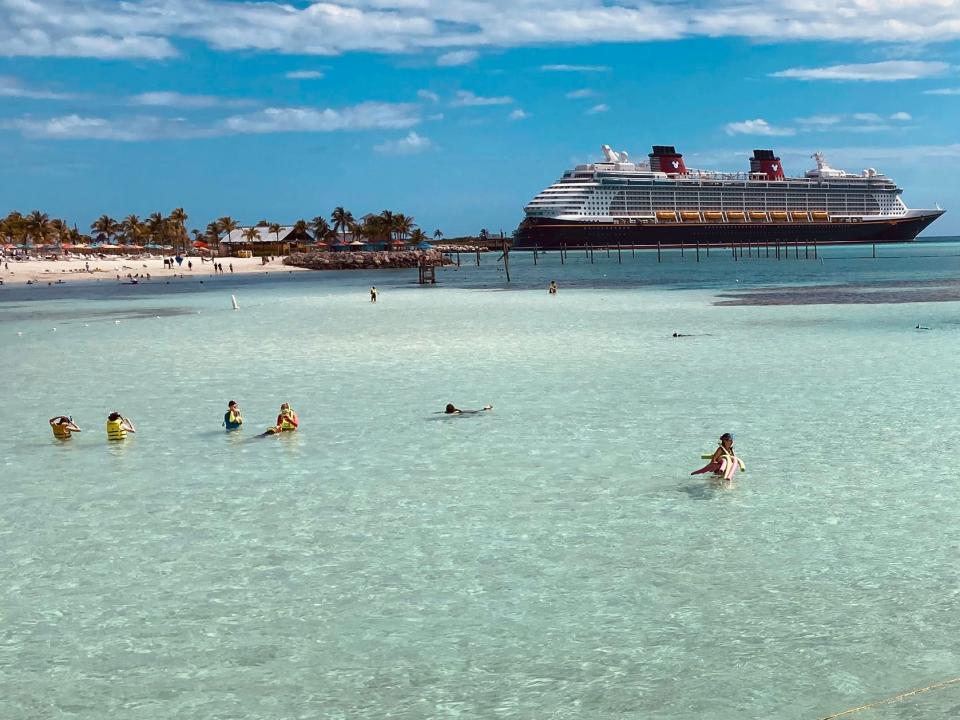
(665, 158)
(766, 163)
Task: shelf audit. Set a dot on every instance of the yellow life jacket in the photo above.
(286, 425)
(115, 430)
(61, 432)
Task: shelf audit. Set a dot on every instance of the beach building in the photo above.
(259, 241)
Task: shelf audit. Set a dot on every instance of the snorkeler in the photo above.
(118, 426)
(724, 461)
(451, 409)
(62, 426)
(287, 421)
(233, 417)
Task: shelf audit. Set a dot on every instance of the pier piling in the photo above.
(698, 250)
(658, 251)
(619, 259)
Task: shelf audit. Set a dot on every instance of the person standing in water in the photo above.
(552, 290)
(62, 426)
(373, 294)
(118, 426)
(233, 417)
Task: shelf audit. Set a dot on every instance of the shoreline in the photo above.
(40, 271)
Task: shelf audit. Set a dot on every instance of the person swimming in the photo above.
(287, 421)
(451, 409)
(118, 426)
(63, 426)
(233, 417)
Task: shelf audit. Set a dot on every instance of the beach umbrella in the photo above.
(199, 244)
(424, 246)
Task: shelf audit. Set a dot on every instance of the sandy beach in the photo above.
(34, 270)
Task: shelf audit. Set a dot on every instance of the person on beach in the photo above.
(451, 409)
(179, 260)
(373, 294)
(552, 290)
(189, 264)
(62, 426)
(231, 267)
(118, 426)
(233, 417)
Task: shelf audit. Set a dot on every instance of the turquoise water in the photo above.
(552, 558)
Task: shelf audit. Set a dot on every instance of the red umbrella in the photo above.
(199, 244)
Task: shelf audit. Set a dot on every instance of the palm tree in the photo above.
(14, 227)
(388, 220)
(157, 225)
(342, 221)
(178, 219)
(418, 236)
(320, 227)
(374, 228)
(438, 234)
(227, 225)
(251, 234)
(38, 225)
(105, 227)
(275, 229)
(402, 225)
(132, 228)
(299, 231)
(59, 227)
(213, 232)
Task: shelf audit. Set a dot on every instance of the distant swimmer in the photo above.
(62, 426)
(552, 290)
(451, 409)
(676, 334)
(921, 327)
(373, 294)
(233, 417)
(118, 426)
(287, 421)
(724, 462)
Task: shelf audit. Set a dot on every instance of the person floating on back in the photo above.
(451, 409)
(552, 290)
(233, 417)
(724, 462)
(118, 426)
(287, 421)
(62, 426)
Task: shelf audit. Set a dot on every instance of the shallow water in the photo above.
(552, 558)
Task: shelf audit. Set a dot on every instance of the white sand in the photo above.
(14, 272)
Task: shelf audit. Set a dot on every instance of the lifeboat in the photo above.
(758, 215)
(711, 216)
(819, 216)
(798, 216)
(736, 216)
(779, 216)
(690, 216)
(666, 216)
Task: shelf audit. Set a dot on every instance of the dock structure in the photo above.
(427, 271)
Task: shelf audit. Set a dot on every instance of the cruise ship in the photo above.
(663, 203)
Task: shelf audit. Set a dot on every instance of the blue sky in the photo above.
(455, 111)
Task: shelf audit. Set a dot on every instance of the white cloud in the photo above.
(575, 68)
(457, 57)
(174, 99)
(581, 93)
(465, 98)
(152, 29)
(868, 117)
(601, 108)
(409, 145)
(428, 95)
(756, 127)
(519, 114)
(79, 127)
(901, 116)
(13, 88)
(304, 75)
(365, 116)
(886, 71)
(820, 120)
(943, 91)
